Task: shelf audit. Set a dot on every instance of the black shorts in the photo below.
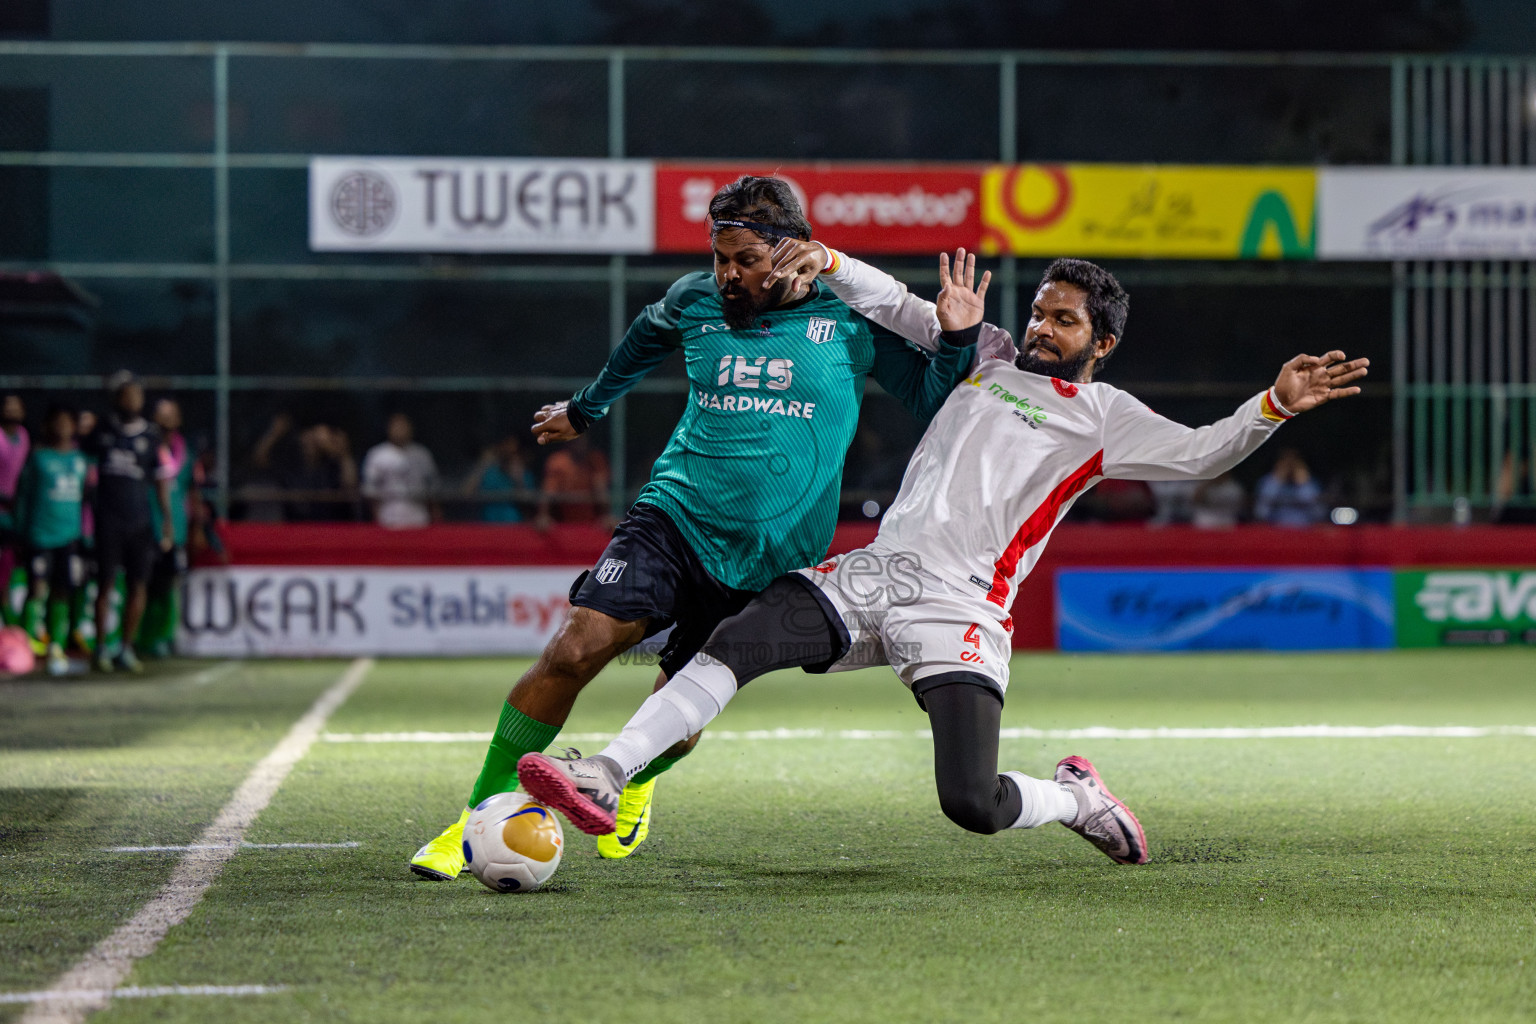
(648, 571)
(133, 550)
(61, 568)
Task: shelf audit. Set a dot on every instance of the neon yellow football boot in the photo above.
(442, 859)
(633, 822)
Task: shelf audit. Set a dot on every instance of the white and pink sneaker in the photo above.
(1101, 819)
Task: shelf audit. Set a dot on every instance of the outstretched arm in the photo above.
(958, 312)
(878, 296)
(1141, 445)
(649, 341)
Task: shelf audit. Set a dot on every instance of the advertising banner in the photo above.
(1148, 211)
(317, 611)
(415, 204)
(1280, 609)
(866, 209)
(1426, 213)
(1466, 606)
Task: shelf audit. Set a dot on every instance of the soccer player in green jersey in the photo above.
(746, 489)
(48, 510)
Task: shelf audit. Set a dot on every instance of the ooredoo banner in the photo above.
(413, 204)
(317, 611)
(1158, 211)
(1395, 213)
(862, 208)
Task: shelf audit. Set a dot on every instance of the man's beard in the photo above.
(743, 310)
(1069, 370)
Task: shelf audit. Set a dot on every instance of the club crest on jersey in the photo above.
(821, 329)
(611, 570)
(1064, 389)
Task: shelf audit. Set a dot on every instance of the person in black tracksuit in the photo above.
(127, 450)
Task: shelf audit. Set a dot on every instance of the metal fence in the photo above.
(172, 178)
(1464, 332)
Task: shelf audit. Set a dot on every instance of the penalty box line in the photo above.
(90, 984)
(1092, 732)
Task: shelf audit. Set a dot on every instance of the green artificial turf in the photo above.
(807, 879)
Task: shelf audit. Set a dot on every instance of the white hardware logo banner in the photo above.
(318, 611)
(414, 204)
(1392, 213)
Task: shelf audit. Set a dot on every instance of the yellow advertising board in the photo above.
(1148, 210)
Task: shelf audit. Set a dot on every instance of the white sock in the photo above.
(689, 701)
(1044, 800)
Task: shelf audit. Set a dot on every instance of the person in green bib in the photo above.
(746, 489)
(157, 633)
(49, 495)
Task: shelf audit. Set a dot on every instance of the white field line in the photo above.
(212, 675)
(1092, 732)
(90, 984)
(243, 846)
(135, 992)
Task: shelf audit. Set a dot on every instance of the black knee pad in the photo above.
(784, 627)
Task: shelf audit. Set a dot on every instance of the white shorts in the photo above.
(900, 615)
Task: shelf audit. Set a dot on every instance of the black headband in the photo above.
(753, 225)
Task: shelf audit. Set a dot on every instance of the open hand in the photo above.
(551, 423)
(1307, 382)
(960, 305)
(796, 261)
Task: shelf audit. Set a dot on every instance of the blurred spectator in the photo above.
(501, 469)
(274, 452)
(1517, 480)
(1288, 496)
(399, 477)
(324, 465)
(575, 488)
(1120, 501)
(127, 450)
(157, 634)
(14, 445)
(48, 520)
(1218, 504)
(1174, 500)
(315, 463)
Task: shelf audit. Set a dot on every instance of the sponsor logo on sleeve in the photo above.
(610, 570)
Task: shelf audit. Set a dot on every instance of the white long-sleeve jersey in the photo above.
(1009, 451)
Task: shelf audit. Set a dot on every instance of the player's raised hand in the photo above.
(552, 423)
(961, 303)
(797, 261)
(1307, 382)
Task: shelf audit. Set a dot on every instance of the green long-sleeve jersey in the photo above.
(752, 472)
(48, 498)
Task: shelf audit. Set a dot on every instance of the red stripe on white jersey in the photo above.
(1038, 525)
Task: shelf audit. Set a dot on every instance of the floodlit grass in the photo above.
(799, 880)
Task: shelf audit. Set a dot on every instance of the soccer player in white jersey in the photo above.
(1010, 450)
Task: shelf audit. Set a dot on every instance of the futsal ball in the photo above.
(512, 843)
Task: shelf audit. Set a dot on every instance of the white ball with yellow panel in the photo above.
(512, 843)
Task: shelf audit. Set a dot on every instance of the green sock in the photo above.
(516, 735)
(58, 622)
(32, 615)
(655, 768)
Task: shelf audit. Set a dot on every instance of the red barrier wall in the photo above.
(1072, 545)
